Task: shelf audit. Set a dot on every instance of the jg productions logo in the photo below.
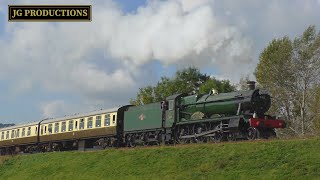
(49, 13)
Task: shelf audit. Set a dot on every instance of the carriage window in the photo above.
(107, 120)
(18, 133)
(2, 135)
(36, 131)
(56, 127)
(45, 129)
(76, 125)
(12, 134)
(98, 121)
(89, 125)
(63, 127)
(50, 128)
(29, 131)
(71, 125)
(113, 119)
(23, 133)
(81, 125)
(41, 130)
(7, 135)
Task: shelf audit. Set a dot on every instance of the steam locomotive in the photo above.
(202, 118)
(179, 119)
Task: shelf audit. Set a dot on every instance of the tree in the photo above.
(145, 96)
(306, 57)
(315, 110)
(290, 71)
(188, 80)
(6, 125)
(220, 86)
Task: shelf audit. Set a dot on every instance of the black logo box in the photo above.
(38, 12)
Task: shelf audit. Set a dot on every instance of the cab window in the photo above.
(171, 104)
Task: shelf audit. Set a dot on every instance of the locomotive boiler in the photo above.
(225, 104)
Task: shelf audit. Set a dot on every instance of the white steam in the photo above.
(178, 32)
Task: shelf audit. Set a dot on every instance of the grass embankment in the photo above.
(290, 159)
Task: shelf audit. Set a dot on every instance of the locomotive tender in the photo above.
(179, 119)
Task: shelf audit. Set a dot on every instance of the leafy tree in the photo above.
(315, 110)
(6, 125)
(188, 80)
(220, 86)
(145, 96)
(290, 71)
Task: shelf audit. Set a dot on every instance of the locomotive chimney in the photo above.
(251, 85)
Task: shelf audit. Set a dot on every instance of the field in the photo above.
(284, 159)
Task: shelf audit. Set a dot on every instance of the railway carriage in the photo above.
(15, 137)
(66, 133)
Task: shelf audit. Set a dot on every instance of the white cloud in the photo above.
(53, 108)
(61, 56)
(105, 60)
(178, 33)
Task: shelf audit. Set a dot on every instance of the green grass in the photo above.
(279, 159)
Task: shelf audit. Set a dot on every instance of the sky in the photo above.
(62, 68)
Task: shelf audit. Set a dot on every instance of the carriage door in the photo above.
(170, 113)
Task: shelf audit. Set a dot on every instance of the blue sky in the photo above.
(50, 70)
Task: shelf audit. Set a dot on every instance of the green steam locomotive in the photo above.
(202, 118)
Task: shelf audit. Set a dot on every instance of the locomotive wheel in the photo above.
(216, 138)
(198, 129)
(145, 139)
(253, 133)
(183, 131)
(158, 137)
(231, 137)
(131, 141)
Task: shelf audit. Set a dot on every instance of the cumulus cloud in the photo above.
(106, 59)
(52, 109)
(179, 32)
